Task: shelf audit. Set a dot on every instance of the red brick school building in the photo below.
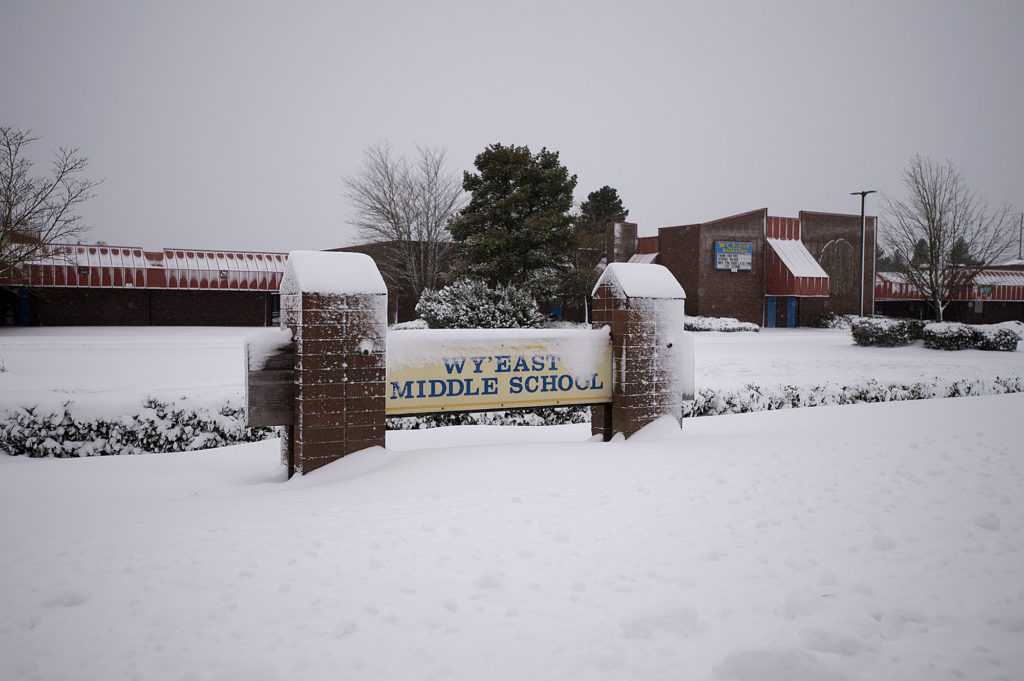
(772, 271)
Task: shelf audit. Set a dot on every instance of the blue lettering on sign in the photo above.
(472, 387)
(454, 363)
(542, 375)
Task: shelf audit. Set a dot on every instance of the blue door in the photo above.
(23, 299)
(769, 314)
(791, 312)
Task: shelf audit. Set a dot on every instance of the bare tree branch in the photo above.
(37, 212)
(944, 233)
(405, 206)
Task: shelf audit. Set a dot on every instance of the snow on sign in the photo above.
(734, 255)
(481, 369)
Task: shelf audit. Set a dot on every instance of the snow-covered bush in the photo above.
(471, 304)
(884, 332)
(541, 416)
(155, 427)
(750, 398)
(710, 402)
(831, 320)
(956, 336)
(717, 324)
(412, 325)
(1012, 326)
(987, 338)
(948, 336)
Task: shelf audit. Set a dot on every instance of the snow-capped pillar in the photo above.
(652, 359)
(336, 306)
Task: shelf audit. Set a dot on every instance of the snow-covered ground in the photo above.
(864, 542)
(106, 369)
(879, 541)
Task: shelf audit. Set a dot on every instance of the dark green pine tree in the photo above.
(602, 208)
(920, 255)
(516, 227)
(960, 254)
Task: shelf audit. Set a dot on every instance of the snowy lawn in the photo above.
(881, 541)
(106, 370)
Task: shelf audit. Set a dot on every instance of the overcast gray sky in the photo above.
(228, 125)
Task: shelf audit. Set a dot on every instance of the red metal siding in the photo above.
(781, 282)
(647, 244)
(782, 228)
(1006, 286)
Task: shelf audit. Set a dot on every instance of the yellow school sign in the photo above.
(486, 369)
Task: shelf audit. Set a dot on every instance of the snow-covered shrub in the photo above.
(949, 336)
(883, 331)
(471, 304)
(1013, 326)
(751, 398)
(831, 320)
(717, 324)
(155, 427)
(993, 338)
(411, 325)
(541, 416)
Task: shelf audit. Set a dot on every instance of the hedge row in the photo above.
(711, 402)
(157, 427)
(885, 332)
(542, 416)
(750, 398)
(727, 324)
(955, 336)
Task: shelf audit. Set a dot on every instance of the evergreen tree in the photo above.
(884, 262)
(516, 227)
(920, 255)
(602, 208)
(960, 254)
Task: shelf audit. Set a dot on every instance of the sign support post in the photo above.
(652, 359)
(336, 307)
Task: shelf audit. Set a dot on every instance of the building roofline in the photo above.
(834, 215)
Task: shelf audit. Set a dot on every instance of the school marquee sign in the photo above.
(436, 371)
(333, 372)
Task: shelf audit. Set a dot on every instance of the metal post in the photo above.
(1020, 237)
(863, 245)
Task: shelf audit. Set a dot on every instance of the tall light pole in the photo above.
(863, 245)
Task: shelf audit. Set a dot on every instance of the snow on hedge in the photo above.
(153, 427)
(727, 324)
(887, 332)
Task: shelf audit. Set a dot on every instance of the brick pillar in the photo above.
(336, 306)
(652, 361)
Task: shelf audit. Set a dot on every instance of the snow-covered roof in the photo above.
(102, 266)
(797, 258)
(1000, 278)
(332, 272)
(637, 280)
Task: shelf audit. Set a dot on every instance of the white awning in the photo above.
(643, 258)
(797, 258)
